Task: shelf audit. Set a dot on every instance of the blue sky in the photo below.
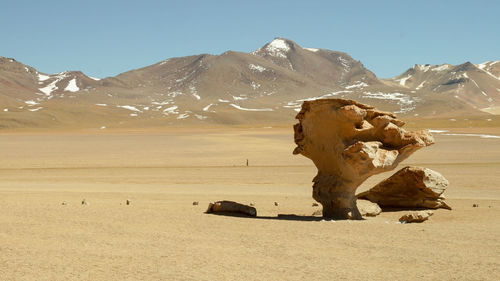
(104, 38)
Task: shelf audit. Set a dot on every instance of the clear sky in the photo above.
(104, 38)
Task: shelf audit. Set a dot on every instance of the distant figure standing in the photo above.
(247, 162)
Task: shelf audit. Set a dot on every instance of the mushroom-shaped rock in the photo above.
(411, 187)
(231, 207)
(349, 142)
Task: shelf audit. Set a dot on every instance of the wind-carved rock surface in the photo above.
(410, 187)
(349, 142)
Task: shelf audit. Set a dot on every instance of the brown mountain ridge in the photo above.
(266, 86)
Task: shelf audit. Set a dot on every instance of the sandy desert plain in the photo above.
(163, 236)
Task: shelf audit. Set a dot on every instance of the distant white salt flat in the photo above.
(437, 131)
(101, 104)
(221, 100)
(35, 109)
(72, 87)
(474, 135)
(250, 109)
(129, 107)
(5, 109)
(324, 96)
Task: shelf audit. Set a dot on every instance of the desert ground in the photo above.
(163, 236)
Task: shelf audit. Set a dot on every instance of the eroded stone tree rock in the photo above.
(349, 142)
(410, 187)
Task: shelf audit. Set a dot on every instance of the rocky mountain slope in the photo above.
(266, 86)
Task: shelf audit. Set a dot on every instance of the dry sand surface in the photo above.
(162, 236)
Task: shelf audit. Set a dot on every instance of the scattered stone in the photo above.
(411, 187)
(417, 216)
(318, 213)
(195, 203)
(475, 205)
(231, 207)
(84, 202)
(315, 204)
(276, 204)
(128, 202)
(367, 208)
(252, 204)
(349, 142)
(64, 203)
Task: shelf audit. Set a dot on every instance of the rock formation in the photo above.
(418, 216)
(410, 187)
(231, 207)
(348, 142)
(367, 208)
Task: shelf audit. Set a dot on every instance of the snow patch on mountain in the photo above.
(171, 110)
(278, 48)
(42, 77)
(194, 92)
(312, 49)
(256, 67)
(420, 86)
(129, 107)
(31, 102)
(239, 98)
(47, 90)
(250, 109)
(423, 67)
(402, 81)
(359, 84)
(206, 108)
(405, 102)
(72, 87)
(440, 68)
(255, 85)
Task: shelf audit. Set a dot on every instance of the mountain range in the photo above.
(266, 86)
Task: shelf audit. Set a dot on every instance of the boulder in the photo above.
(417, 216)
(349, 142)
(231, 207)
(411, 187)
(367, 208)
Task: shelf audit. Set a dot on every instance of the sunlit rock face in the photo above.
(348, 142)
